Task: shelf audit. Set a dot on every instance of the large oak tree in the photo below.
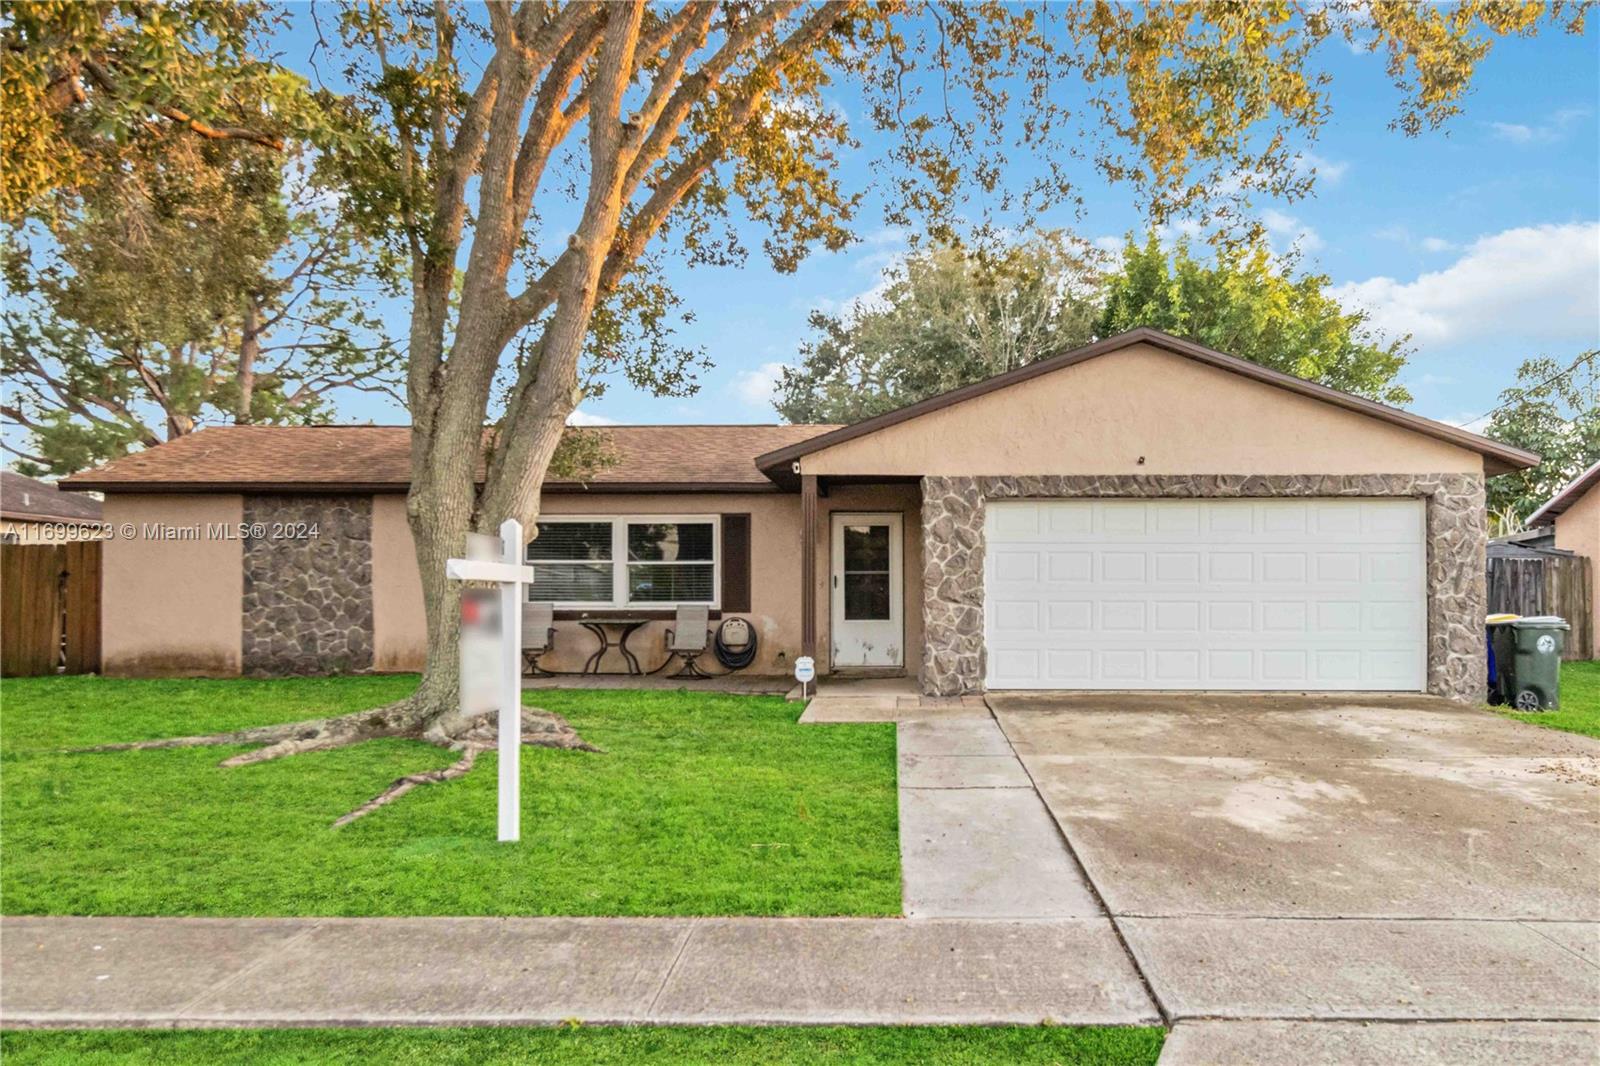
(528, 157)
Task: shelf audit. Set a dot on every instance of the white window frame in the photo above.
(619, 561)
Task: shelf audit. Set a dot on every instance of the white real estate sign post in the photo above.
(511, 575)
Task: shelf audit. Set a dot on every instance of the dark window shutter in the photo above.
(735, 562)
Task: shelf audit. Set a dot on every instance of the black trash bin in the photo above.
(1496, 696)
(1527, 658)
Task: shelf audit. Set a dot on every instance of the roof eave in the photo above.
(350, 488)
(53, 519)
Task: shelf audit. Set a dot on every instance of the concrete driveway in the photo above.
(1312, 860)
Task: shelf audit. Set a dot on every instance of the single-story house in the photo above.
(1142, 512)
(38, 512)
(1574, 512)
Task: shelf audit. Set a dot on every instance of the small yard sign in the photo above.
(491, 644)
(805, 672)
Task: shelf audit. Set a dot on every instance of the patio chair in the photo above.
(538, 634)
(688, 637)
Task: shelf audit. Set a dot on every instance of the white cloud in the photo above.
(1534, 283)
(755, 388)
(1546, 132)
(1185, 228)
(1327, 170)
(1402, 235)
(1290, 231)
(581, 417)
(1514, 132)
(1472, 422)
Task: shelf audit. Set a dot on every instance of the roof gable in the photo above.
(1581, 486)
(1498, 457)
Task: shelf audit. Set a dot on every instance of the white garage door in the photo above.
(1206, 594)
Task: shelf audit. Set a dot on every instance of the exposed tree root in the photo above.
(362, 725)
(540, 729)
(405, 784)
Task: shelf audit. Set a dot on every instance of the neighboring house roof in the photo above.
(378, 459)
(1498, 458)
(1534, 537)
(1566, 498)
(28, 500)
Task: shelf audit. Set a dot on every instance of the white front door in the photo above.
(867, 591)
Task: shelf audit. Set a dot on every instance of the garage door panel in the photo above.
(1070, 614)
(1017, 566)
(1206, 594)
(1071, 567)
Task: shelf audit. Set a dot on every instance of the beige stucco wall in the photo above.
(399, 635)
(1578, 530)
(774, 577)
(1179, 415)
(399, 632)
(171, 606)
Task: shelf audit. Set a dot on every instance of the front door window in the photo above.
(866, 573)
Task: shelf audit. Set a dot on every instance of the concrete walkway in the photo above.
(187, 972)
(976, 841)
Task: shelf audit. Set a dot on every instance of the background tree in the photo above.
(1249, 303)
(200, 282)
(1553, 409)
(82, 81)
(527, 157)
(947, 315)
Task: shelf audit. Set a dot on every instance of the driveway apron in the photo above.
(1321, 861)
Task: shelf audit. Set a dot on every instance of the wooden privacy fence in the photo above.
(49, 608)
(1548, 584)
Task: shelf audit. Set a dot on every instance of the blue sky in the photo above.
(1483, 240)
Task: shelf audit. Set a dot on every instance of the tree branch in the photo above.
(103, 78)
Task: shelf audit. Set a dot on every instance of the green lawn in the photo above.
(1580, 701)
(644, 1045)
(701, 805)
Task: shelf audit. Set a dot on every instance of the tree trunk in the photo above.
(439, 509)
(249, 349)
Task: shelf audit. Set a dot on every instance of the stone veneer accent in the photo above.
(308, 600)
(953, 550)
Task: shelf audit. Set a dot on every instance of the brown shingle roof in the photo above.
(378, 458)
(28, 499)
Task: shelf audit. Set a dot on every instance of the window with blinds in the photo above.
(626, 561)
(572, 563)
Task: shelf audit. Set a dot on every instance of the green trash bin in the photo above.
(1527, 657)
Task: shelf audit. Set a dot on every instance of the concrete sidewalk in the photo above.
(209, 972)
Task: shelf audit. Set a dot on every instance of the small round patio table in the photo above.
(613, 633)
